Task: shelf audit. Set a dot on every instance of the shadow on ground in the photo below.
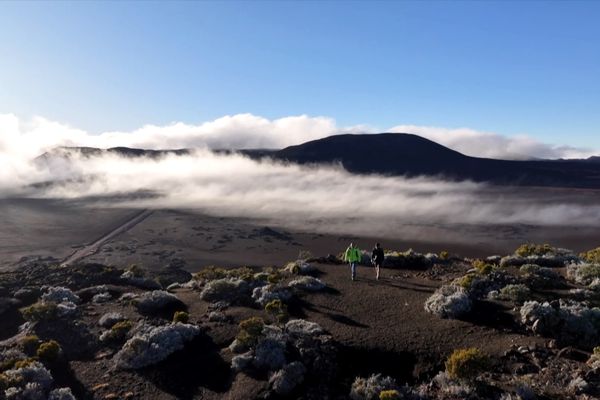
(198, 366)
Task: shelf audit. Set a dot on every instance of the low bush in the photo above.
(466, 364)
(152, 344)
(278, 310)
(569, 322)
(371, 387)
(49, 351)
(592, 256)
(213, 273)
(30, 344)
(111, 318)
(530, 249)
(250, 331)
(230, 290)
(301, 327)
(59, 294)
(181, 316)
(157, 301)
(482, 267)
(390, 395)
(284, 381)
(307, 283)
(265, 294)
(449, 301)
(515, 293)
(466, 281)
(40, 312)
(584, 274)
(539, 275)
(444, 255)
(118, 332)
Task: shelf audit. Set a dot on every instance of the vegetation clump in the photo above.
(584, 274)
(515, 293)
(250, 331)
(392, 394)
(118, 332)
(530, 249)
(40, 311)
(482, 267)
(49, 351)
(592, 256)
(152, 344)
(30, 344)
(213, 273)
(371, 388)
(466, 364)
(278, 310)
(449, 301)
(181, 316)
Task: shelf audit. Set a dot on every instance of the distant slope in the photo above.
(396, 154)
(412, 155)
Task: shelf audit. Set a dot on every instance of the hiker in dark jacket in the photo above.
(377, 258)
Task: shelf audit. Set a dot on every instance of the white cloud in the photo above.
(31, 138)
(492, 145)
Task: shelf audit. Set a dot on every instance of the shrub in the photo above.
(584, 274)
(213, 273)
(444, 255)
(277, 309)
(134, 271)
(449, 301)
(117, 332)
(466, 281)
(33, 380)
(24, 363)
(515, 293)
(157, 301)
(250, 330)
(592, 256)
(59, 294)
(540, 275)
(390, 395)
(225, 289)
(30, 344)
(40, 312)
(301, 327)
(288, 378)
(307, 283)
(181, 316)
(61, 394)
(530, 249)
(274, 277)
(466, 364)
(151, 344)
(49, 351)
(482, 267)
(111, 318)
(371, 388)
(299, 267)
(263, 295)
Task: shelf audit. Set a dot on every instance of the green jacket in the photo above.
(352, 254)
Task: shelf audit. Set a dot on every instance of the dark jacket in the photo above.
(377, 255)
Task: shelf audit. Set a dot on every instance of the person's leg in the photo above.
(353, 269)
(377, 268)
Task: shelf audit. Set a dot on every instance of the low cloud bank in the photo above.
(32, 137)
(234, 185)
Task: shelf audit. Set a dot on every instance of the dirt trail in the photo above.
(93, 247)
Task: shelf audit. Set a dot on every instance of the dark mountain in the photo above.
(411, 155)
(397, 154)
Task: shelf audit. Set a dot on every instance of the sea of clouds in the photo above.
(237, 186)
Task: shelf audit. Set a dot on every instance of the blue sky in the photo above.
(507, 67)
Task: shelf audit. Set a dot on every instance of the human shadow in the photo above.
(342, 319)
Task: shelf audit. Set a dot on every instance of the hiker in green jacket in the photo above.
(353, 257)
